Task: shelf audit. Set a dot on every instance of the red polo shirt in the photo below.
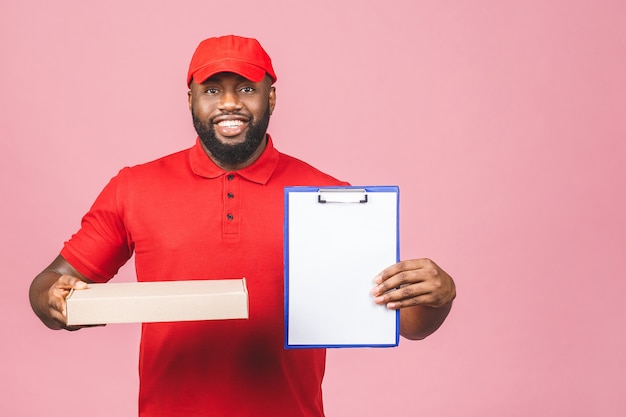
(185, 218)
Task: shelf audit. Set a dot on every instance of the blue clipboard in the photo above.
(336, 240)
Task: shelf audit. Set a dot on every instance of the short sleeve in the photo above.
(102, 244)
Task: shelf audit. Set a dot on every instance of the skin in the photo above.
(227, 96)
(49, 290)
(419, 288)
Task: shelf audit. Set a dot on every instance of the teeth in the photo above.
(230, 123)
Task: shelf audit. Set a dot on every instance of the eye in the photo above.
(247, 89)
(211, 90)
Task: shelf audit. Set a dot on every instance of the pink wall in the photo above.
(503, 123)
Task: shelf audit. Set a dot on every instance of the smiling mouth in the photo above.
(230, 123)
(230, 127)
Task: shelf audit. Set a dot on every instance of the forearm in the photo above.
(418, 322)
(39, 297)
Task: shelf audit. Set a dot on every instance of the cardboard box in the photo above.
(162, 301)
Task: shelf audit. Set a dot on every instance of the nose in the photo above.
(230, 101)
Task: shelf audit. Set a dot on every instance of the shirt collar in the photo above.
(259, 171)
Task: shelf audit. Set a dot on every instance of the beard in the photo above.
(235, 154)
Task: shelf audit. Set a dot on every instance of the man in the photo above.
(216, 211)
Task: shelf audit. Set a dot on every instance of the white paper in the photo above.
(335, 250)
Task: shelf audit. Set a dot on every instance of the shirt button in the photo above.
(230, 177)
(231, 195)
(229, 216)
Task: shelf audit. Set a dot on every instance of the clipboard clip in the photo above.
(342, 195)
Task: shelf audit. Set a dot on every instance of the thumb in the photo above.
(79, 284)
(69, 282)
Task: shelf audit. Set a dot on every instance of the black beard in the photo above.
(232, 155)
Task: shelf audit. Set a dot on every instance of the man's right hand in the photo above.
(57, 294)
(49, 291)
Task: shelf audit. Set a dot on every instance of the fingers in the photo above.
(396, 270)
(411, 283)
(57, 294)
(58, 302)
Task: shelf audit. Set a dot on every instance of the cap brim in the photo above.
(248, 71)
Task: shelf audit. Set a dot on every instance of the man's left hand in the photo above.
(415, 282)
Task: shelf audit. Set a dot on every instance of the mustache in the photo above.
(230, 116)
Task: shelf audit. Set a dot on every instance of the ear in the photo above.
(272, 99)
(189, 99)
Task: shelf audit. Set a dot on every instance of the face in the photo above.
(231, 115)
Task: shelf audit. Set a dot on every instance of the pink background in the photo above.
(501, 121)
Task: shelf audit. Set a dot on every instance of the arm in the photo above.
(50, 288)
(421, 290)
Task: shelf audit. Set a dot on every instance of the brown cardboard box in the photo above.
(144, 302)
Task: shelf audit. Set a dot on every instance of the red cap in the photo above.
(243, 56)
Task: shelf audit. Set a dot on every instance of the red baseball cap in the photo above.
(243, 56)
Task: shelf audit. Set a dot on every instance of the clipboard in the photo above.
(336, 240)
